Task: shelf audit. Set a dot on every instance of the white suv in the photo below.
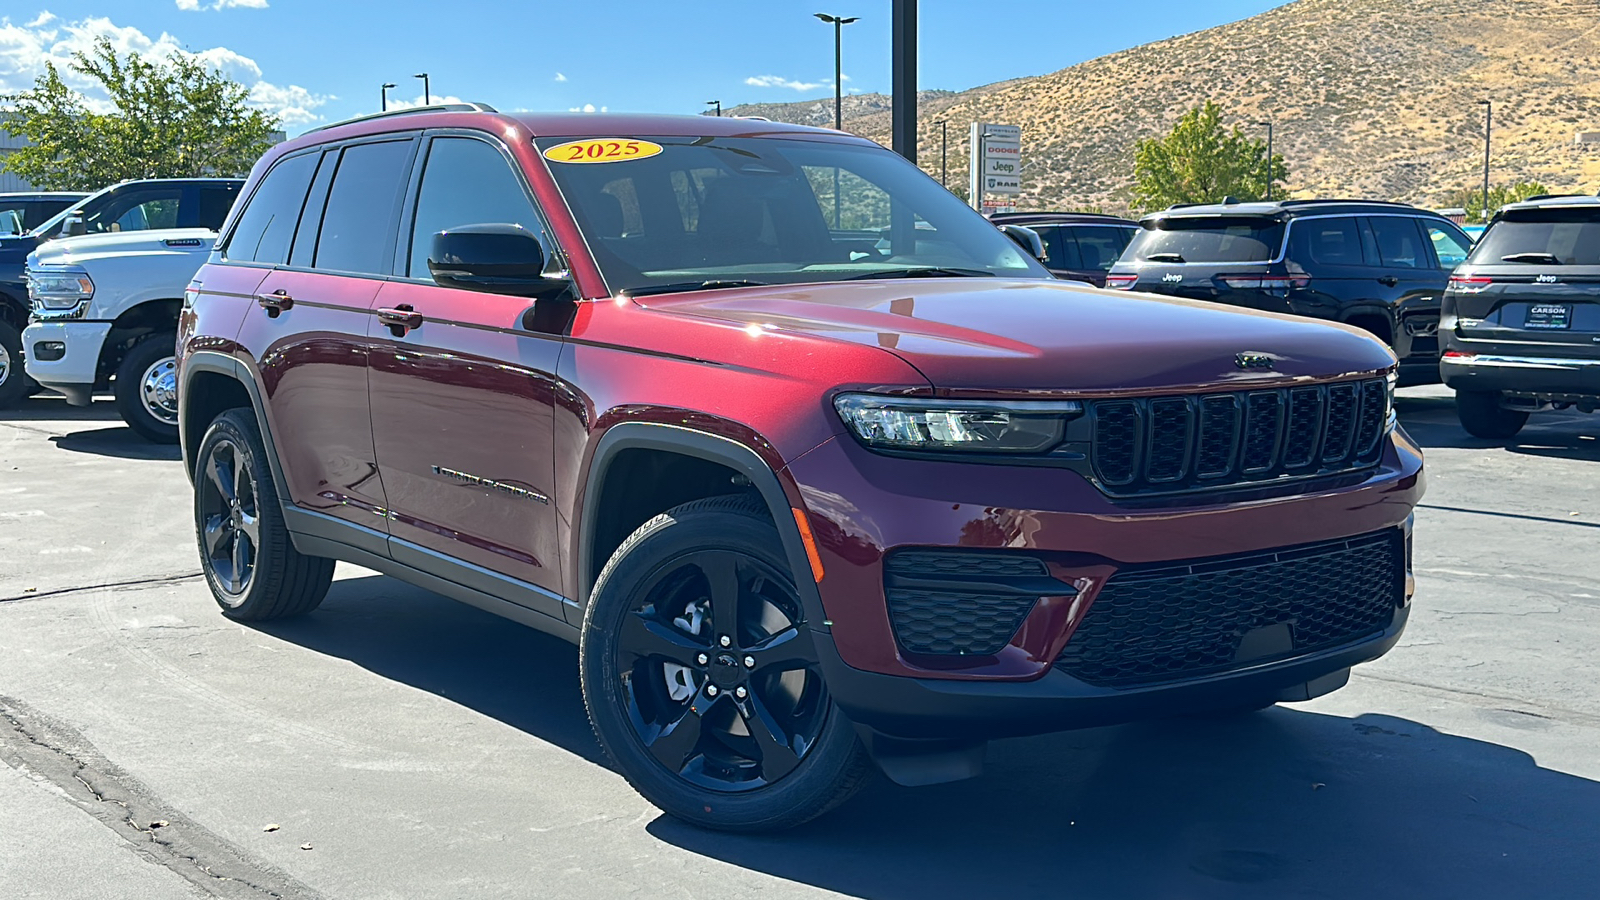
(105, 307)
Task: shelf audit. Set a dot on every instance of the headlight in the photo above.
(976, 426)
(1390, 418)
(59, 289)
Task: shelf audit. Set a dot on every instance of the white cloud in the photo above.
(24, 50)
(196, 6)
(765, 81)
(560, 77)
(401, 103)
(587, 108)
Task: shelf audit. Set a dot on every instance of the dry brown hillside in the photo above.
(1371, 98)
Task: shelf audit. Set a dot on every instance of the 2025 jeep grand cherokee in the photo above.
(817, 477)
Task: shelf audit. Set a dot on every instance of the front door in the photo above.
(1411, 284)
(462, 396)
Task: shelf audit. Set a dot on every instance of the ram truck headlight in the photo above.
(970, 426)
(1390, 417)
(58, 288)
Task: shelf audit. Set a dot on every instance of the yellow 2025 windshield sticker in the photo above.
(601, 150)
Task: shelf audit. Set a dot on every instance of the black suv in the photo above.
(1077, 246)
(1379, 266)
(129, 206)
(1521, 318)
(20, 213)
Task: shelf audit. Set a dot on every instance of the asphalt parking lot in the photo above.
(405, 746)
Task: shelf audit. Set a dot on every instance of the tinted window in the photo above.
(466, 182)
(357, 226)
(1098, 246)
(136, 210)
(267, 224)
(1204, 240)
(1450, 247)
(1572, 236)
(1326, 242)
(215, 201)
(1399, 242)
(1060, 251)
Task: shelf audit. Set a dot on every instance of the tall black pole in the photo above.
(944, 152)
(1488, 131)
(1269, 160)
(838, 72)
(427, 89)
(385, 106)
(904, 128)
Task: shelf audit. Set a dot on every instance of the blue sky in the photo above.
(320, 60)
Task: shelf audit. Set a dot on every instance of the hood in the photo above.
(15, 248)
(1004, 336)
(86, 248)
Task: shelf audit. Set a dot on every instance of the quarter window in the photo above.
(1448, 246)
(266, 226)
(466, 182)
(357, 227)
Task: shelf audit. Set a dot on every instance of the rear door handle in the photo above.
(275, 302)
(1388, 280)
(400, 319)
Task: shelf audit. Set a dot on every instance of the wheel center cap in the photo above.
(725, 671)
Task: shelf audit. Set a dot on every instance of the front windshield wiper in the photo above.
(679, 287)
(1534, 258)
(1165, 257)
(923, 272)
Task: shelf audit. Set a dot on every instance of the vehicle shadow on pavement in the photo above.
(1285, 803)
(56, 409)
(1432, 423)
(519, 676)
(121, 443)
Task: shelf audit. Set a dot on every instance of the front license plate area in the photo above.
(1549, 316)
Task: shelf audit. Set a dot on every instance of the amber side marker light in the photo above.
(810, 542)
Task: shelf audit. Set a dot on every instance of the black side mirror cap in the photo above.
(1026, 238)
(494, 258)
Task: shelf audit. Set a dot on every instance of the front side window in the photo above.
(747, 210)
(466, 182)
(1207, 239)
(357, 224)
(136, 211)
(1399, 243)
(1569, 237)
(1100, 247)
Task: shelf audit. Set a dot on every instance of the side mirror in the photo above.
(73, 225)
(492, 258)
(1027, 239)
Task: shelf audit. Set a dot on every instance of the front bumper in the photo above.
(1530, 374)
(77, 361)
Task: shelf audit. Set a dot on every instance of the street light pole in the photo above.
(944, 152)
(903, 129)
(1269, 157)
(427, 91)
(838, 63)
(1488, 132)
(385, 106)
(717, 104)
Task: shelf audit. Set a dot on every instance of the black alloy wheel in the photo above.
(228, 510)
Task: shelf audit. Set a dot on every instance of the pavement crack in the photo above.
(108, 585)
(52, 751)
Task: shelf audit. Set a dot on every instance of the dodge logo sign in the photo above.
(1172, 278)
(1253, 361)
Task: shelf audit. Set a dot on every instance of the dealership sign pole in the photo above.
(994, 165)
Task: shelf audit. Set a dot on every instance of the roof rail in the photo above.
(1548, 197)
(411, 110)
(1345, 200)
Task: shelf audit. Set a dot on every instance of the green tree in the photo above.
(170, 118)
(1471, 198)
(1201, 162)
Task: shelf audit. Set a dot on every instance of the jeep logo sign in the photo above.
(1172, 278)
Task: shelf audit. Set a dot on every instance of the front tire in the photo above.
(250, 563)
(701, 679)
(14, 382)
(147, 389)
(1482, 415)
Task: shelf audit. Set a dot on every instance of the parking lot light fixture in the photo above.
(838, 24)
(1269, 157)
(427, 90)
(385, 106)
(717, 104)
(1488, 131)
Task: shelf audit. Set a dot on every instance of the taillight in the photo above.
(1278, 283)
(1470, 284)
(1121, 282)
(1457, 354)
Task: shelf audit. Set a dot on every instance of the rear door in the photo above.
(1338, 262)
(1060, 252)
(462, 403)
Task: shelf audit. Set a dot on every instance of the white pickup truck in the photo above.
(104, 309)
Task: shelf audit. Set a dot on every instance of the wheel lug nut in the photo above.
(725, 641)
(749, 662)
(740, 692)
(702, 659)
(711, 690)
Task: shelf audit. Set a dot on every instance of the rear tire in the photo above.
(250, 563)
(14, 382)
(147, 389)
(1482, 415)
(739, 736)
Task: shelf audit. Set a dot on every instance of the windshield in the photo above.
(1207, 240)
(733, 211)
(1570, 236)
(53, 224)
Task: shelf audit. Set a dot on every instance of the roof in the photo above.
(43, 195)
(1553, 201)
(1065, 218)
(1284, 209)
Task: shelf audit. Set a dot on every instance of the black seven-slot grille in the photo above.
(963, 602)
(1165, 444)
(1148, 626)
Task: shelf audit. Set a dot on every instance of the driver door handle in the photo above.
(400, 319)
(275, 302)
(1388, 280)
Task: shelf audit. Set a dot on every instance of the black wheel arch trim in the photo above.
(217, 363)
(711, 448)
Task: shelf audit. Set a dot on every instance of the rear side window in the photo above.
(1399, 242)
(1572, 236)
(1060, 250)
(1219, 239)
(466, 182)
(1099, 248)
(358, 223)
(215, 201)
(267, 224)
(1334, 241)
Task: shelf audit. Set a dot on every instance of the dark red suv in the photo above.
(817, 467)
